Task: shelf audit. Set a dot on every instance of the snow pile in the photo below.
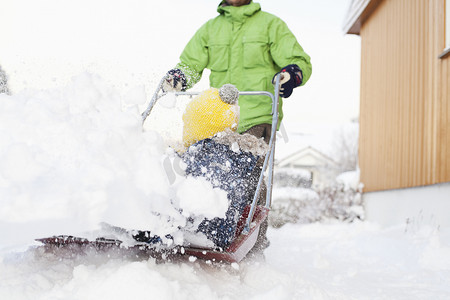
(350, 180)
(294, 201)
(74, 157)
(342, 202)
(295, 205)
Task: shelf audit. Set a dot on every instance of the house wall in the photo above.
(405, 96)
(419, 206)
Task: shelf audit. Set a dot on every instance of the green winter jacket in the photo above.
(246, 47)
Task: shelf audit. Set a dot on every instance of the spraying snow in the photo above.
(78, 156)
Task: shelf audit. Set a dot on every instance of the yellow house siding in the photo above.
(404, 121)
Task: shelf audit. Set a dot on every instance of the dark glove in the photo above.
(291, 77)
(175, 81)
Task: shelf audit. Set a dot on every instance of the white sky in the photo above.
(134, 42)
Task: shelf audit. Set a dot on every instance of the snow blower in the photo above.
(232, 171)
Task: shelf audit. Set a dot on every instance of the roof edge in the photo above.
(358, 12)
(305, 150)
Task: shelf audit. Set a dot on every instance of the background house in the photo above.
(404, 143)
(321, 168)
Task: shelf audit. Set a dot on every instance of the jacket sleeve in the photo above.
(286, 50)
(194, 58)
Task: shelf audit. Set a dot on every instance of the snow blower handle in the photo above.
(155, 97)
(268, 160)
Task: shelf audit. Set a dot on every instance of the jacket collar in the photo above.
(238, 14)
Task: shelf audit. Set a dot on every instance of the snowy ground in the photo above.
(73, 157)
(316, 261)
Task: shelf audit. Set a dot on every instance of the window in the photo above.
(447, 30)
(447, 24)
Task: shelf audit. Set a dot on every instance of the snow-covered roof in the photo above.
(308, 156)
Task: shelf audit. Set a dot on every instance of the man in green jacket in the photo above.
(246, 47)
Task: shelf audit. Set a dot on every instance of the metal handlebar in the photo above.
(268, 160)
(155, 98)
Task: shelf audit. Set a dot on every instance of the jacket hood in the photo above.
(238, 13)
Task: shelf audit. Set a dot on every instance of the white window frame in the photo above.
(446, 51)
(447, 24)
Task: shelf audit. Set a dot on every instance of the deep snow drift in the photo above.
(77, 156)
